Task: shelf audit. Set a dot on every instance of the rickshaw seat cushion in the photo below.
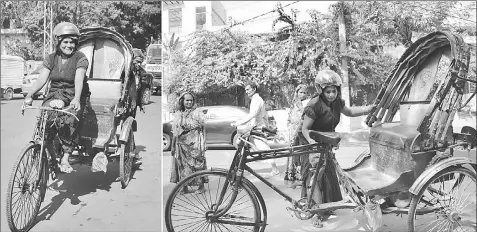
(394, 135)
(332, 138)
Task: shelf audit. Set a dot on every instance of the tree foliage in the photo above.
(137, 21)
(217, 61)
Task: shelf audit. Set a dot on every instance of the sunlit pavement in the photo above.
(86, 201)
(279, 219)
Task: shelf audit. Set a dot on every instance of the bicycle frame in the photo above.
(39, 134)
(244, 156)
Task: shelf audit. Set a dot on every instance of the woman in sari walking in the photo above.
(300, 100)
(188, 142)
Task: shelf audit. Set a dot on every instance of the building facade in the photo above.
(182, 18)
(185, 17)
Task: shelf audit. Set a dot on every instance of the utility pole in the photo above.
(47, 28)
(345, 121)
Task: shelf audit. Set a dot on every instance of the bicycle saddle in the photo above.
(332, 138)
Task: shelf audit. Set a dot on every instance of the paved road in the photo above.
(278, 217)
(86, 201)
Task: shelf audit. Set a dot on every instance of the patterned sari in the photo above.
(189, 145)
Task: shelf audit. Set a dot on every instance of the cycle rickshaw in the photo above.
(107, 126)
(411, 165)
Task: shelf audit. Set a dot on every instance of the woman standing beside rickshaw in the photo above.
(323, 113)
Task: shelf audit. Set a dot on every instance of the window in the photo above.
(175, 21)
(200, 18)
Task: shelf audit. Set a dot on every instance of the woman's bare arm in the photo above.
(79, 78)
(356, 111)
(305, 129)
(40, 82)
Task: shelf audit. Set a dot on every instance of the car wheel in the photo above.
(166, 142)
(235, 140)
(8, 95)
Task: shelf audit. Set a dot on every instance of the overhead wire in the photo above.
(244, 21)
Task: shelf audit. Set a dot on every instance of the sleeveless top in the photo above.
(62, 76)
(326, 116)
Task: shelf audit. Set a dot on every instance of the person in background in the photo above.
(258, 117)
(66, 71)
(188, 142)
(300, 100)
(323, 114)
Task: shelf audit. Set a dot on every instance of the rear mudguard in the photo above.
(128, 125)
(257, 193)
(434, 169)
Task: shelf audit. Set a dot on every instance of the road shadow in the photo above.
(72, 186)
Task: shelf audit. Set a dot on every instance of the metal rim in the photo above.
(126, 160)
(447, 202)
(29, 190)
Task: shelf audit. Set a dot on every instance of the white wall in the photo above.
(189, 16)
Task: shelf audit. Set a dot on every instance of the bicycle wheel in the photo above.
(126, 160)
(26, 188)
(447, 202)
(191, 211)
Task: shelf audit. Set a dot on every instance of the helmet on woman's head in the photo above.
(326, 78)
(65, 28)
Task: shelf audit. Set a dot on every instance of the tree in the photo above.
(137, 21)
(295, 53)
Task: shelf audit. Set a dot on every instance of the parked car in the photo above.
(29, 81)
(217, 126)
(12, 72)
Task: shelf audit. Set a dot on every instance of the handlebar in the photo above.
(65, 110)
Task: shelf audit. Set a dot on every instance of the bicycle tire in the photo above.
(416, 199)
(126, 160)
(255, 215)
(26, 188)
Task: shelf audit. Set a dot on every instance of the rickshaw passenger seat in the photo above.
(107, 64)
(332, 138)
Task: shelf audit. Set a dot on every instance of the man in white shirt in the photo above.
(257, 116)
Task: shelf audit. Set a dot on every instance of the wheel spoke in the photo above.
(191, 213)
(449, 189)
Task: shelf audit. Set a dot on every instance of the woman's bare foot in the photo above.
(65, 164)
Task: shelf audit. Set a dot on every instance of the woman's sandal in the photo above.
(317, 222)
(65, 168)
(184, 190)
(200, 190)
